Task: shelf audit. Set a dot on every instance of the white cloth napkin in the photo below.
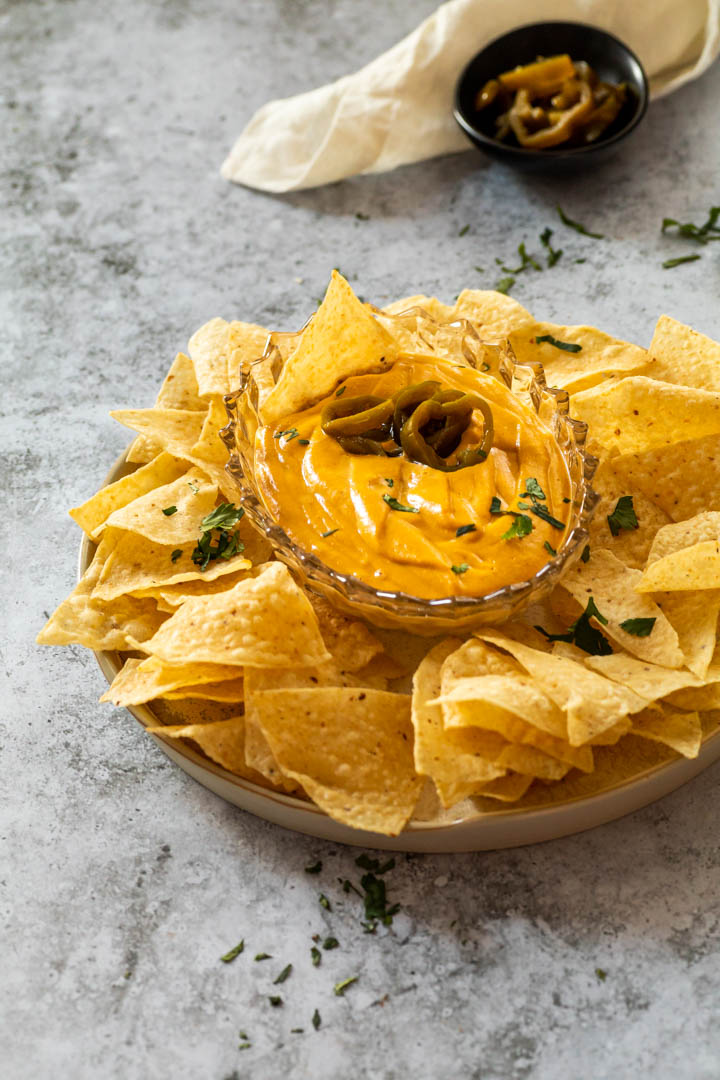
(398, 108)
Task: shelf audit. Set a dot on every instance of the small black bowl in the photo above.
(607, 55)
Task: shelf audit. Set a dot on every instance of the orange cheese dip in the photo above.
(332, 502)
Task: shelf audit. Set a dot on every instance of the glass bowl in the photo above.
(457, 341)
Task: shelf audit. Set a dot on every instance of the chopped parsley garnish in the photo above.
(314, 868)
(543, 513)
(303, 442)
(484, 366)
(577, 226)
(480, 269)
(552, 255)
(230, 956)
(176, 555)
(548, 547)
(463, 530)
(623, 516)
(389, 481)
(602, 975)
(227, 545)
(316, 1020)
(193, 487)
(169, 511)
(340, 988)
(275, 1000)
(521, 526)
(701, 233)
(566, 346)
(297, 1031)
(670, 264)
(533, 489)
(465, 229)
(347, 886)
(462, 568)
(375, 900)
(341, 391)
(330, 532)
(638, 627)
(283, 975)
(526, 261)
(585, 553)
(583, 634)
(496, 506)
(316, 957)
(504, 285)
(395, 505)
(324, 902)
(222, 517)
(566, 500)
(331, 943)
(263, 956)
(366, 862)
(245, 1046)
(362, 217)
(580, 260)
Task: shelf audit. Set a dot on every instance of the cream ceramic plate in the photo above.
(458, 830)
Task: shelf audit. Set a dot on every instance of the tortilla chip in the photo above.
(683, 479)
(493, 315)
(699, 697)
(592, 704)
(631, 546)
(139, 681)
(223, 742)
(342, 339)
(352, 751)
(600, 354)
(265, 621)
(681, 731)
(83, 620)
(193, 497)
(696, 567)
(349, 641)
(430, 305)
(612, 586)
(92, 514)
(178, 391)
(219, 349)
(176, 430)
(678, 354)
(172, 597)
(694, 617)
(455, 768)
(210, 446)
(650, 681)
(638, 414)
(508, 788)
(136, 564)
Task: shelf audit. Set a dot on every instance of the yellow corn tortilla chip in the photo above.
(631, 546)
(92, 514)
(508, 788)
(178, 391)
(696, 567)
(684, 534)
(220, 349)
(648, 680)
(600, 354)
(139, 681)
(82, 620)
(478, 702)
(136, 564)
(210, 446)
(265, 621)
(638, 413)
(229, 691)
(451, 763)
(430, 304)
(494, 315)
(172, 597)
(694, 617)
(349, 641)
(193, 497)
(681, 731)
(612, 586)
(260, 757)
(351, 750)
(222, 741)
(592, 704)
(683, 479)
(175, 430)
(702, 698)
(678, 354)
(342, 339)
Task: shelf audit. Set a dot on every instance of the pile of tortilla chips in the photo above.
(278, 687)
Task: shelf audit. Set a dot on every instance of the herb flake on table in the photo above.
(623, 516)
(504, 285)
(670, 264)
(315, 955)
(702, 234)
(340, 987)
(553, 255)
(283, 975)
(263, 956)
(324, 902)
(331, 943)
(465, 229)
(578, 226)
(395, 505)
(233, 953)
(275, 1000)
(314, 868)
(565, 346)
(169, 511)
(527, 261)
(316, 1020)
(366, 862)
(638, 627)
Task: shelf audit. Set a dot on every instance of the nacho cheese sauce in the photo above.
(316, 487)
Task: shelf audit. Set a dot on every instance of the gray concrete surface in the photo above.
(122, 880)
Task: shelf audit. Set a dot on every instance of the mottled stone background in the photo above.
(123, 881)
